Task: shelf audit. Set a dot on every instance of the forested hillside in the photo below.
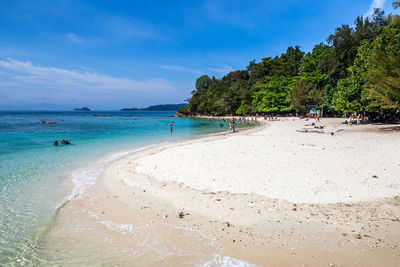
(356, 70)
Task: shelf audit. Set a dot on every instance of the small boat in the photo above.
(50, 122)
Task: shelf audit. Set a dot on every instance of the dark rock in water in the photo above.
(82, 109)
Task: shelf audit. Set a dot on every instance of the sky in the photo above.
(107, 55)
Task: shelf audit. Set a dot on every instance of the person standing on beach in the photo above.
(230, 126)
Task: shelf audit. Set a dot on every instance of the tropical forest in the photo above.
(357, 70)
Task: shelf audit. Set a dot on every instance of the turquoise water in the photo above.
(35, 175)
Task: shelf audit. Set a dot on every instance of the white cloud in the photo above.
(231, 12)
(248, 15)
(181, 68)
(3, 95)
(374, 4)
(130, 29)
(222, 70)
(26, 81)
(78, 39)
(30, 74)
(72, 37)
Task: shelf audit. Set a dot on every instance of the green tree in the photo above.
(345, 50)
(315, 69)
(244, 108)
(350, 95)
(384, 73)
(304, 94)
(203, 82)
(346, 41)
(291, 61)
(183, 110)
(273, 95)
(198, 102)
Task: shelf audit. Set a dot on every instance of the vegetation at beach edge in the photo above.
(356, 71)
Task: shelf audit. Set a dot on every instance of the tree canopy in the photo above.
(305, 94)
(384, 72)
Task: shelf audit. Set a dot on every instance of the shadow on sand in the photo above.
(393, 128)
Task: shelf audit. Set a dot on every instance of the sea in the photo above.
(37, 177)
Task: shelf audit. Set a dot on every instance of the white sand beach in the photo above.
(279, 163)
(271, 196)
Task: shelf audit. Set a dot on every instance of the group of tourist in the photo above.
(241, 119)
(232, 122)
(270, 117)
(356, 119)
(63, 142)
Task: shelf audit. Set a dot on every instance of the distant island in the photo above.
(166, 107)
(82, 109)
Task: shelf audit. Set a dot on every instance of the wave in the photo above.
(86, 177)
(153, 240)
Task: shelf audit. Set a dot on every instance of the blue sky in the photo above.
(114, 54)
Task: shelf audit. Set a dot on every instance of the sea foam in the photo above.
(86, 177)
(204, 250)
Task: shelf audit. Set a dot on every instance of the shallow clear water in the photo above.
(35, 176)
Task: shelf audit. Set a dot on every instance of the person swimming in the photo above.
(55, 143)
(64, 142)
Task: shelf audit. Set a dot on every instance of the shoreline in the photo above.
(251, 227)
(79, 194)
(110, 158)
